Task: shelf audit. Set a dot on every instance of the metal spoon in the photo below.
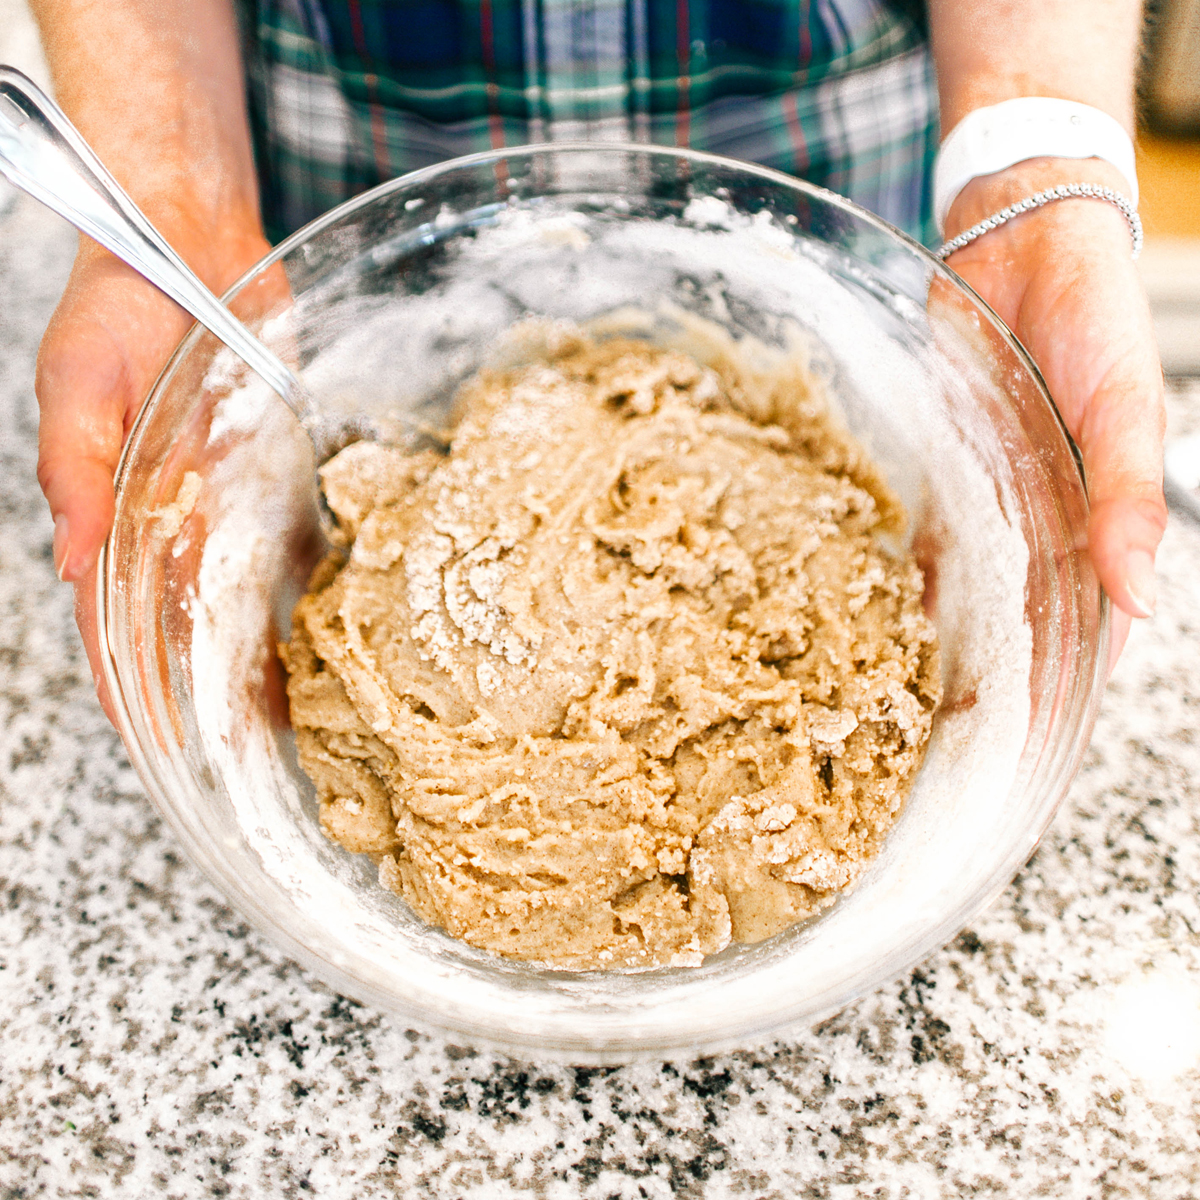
(42, 153)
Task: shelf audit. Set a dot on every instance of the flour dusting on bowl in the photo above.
(400, 312)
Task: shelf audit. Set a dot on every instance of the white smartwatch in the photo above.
(1001, 135)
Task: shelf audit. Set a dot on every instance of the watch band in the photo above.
(1001, 135)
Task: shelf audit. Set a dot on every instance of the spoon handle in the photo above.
(42, 153)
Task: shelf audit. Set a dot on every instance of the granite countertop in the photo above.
(152, 1044)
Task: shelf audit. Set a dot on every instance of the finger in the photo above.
(1119, 420)
(86, 619)
(1120, 436)
(1119, 633)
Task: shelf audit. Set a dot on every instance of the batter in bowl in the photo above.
(633, 672)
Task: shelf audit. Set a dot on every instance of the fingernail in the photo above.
(62, 543)
(1140, 581)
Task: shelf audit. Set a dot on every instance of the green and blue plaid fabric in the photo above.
(347, 93)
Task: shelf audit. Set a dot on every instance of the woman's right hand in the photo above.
(156, 88)
(106, 343)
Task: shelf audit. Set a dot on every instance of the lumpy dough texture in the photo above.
(630, 673)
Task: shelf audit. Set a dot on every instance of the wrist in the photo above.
(219, 247)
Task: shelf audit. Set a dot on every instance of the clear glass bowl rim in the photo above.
(270, 924)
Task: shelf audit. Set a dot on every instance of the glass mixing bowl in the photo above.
(389, 302)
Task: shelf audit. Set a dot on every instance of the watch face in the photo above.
(1171, 85)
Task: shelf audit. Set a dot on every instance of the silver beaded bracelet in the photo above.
(1064, 192)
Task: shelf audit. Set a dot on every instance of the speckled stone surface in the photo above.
(153, 1045)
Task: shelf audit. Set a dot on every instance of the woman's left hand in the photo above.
(1063, 279)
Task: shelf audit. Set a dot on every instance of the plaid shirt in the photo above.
(347, 93)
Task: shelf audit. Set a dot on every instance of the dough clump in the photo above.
(627, 675)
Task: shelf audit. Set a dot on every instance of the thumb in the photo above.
(106, 342)
(1074, 299)
(1120, 435)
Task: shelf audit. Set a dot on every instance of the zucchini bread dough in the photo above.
(630, 673)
